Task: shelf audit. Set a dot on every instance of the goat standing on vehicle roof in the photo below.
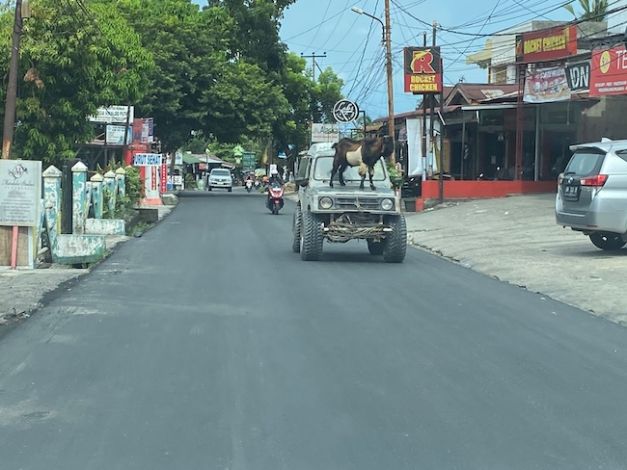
(363, 153)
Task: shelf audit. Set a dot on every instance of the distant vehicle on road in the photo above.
(592, 193)
(220, 178)
(347, 212)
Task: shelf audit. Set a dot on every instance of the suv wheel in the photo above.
(311, 237)
(375, 248)
(296, 228)
(607, 241)
(395, 244)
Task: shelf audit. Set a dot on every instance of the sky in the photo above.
(354, 48)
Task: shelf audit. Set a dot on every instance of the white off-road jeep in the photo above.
(344, 213)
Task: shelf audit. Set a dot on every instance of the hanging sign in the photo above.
(423, 70)
(545, 85)
(608, 72)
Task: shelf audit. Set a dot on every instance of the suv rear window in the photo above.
(585, 162)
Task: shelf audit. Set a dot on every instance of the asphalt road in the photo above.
(208, 344)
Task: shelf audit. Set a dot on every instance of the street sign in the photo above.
(147, 159)
(249, 161)
(345, 111)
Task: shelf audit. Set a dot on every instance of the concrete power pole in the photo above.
(390, 80)
(314, 64)
(11, 99)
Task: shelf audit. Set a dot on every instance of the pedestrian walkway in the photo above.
(517, 240)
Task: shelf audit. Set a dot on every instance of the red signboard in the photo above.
(423, 70)
(608, 72)
(164, 176)
(547, 44)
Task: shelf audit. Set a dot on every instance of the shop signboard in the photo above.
(423, 70)
(547, 44)
(608, 72)
(546, 85)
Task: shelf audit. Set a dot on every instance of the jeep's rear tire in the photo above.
(395, 244)
(311, 237)
(296, 228)
(375, 247)
(607, 241)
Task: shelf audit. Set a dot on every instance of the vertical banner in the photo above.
(164, 177)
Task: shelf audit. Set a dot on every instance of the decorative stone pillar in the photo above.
(52, 192)
(96, 195)
(120, 178)
(79, 197)
(110, 192)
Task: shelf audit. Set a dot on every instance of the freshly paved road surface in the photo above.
(207, 344)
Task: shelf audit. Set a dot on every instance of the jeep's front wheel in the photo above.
(311, 237)
(395, 244)
(296, 229)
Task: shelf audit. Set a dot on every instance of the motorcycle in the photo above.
(249, 185)
(275, 202)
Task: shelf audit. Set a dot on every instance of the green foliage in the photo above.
(595, 10)
(70, 65)
(133, 187)
(396, 177)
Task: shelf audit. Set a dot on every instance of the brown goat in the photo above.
(364, 153)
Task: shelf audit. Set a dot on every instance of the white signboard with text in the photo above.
(20, 192)
(324, 133)
(147, 159)
(114, 114)
(115, 134)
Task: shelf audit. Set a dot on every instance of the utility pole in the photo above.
(389, 70)
(11, 99)
(432, 106)
(314, 64)
(424, 123)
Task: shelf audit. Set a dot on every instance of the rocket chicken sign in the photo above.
(423, 70)
(547, 44)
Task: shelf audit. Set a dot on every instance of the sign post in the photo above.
(20, 202)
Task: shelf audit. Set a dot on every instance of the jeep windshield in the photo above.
(324, 165)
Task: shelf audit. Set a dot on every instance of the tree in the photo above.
(594, 10)
(327, 92)
(72, 61)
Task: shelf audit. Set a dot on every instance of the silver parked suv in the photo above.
(592, 193)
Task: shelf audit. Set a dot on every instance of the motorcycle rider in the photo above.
(275, 178)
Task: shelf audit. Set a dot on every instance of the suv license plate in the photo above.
(571, 192)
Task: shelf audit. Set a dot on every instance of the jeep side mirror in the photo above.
(302, 182)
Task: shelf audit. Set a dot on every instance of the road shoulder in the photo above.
(516, 240)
